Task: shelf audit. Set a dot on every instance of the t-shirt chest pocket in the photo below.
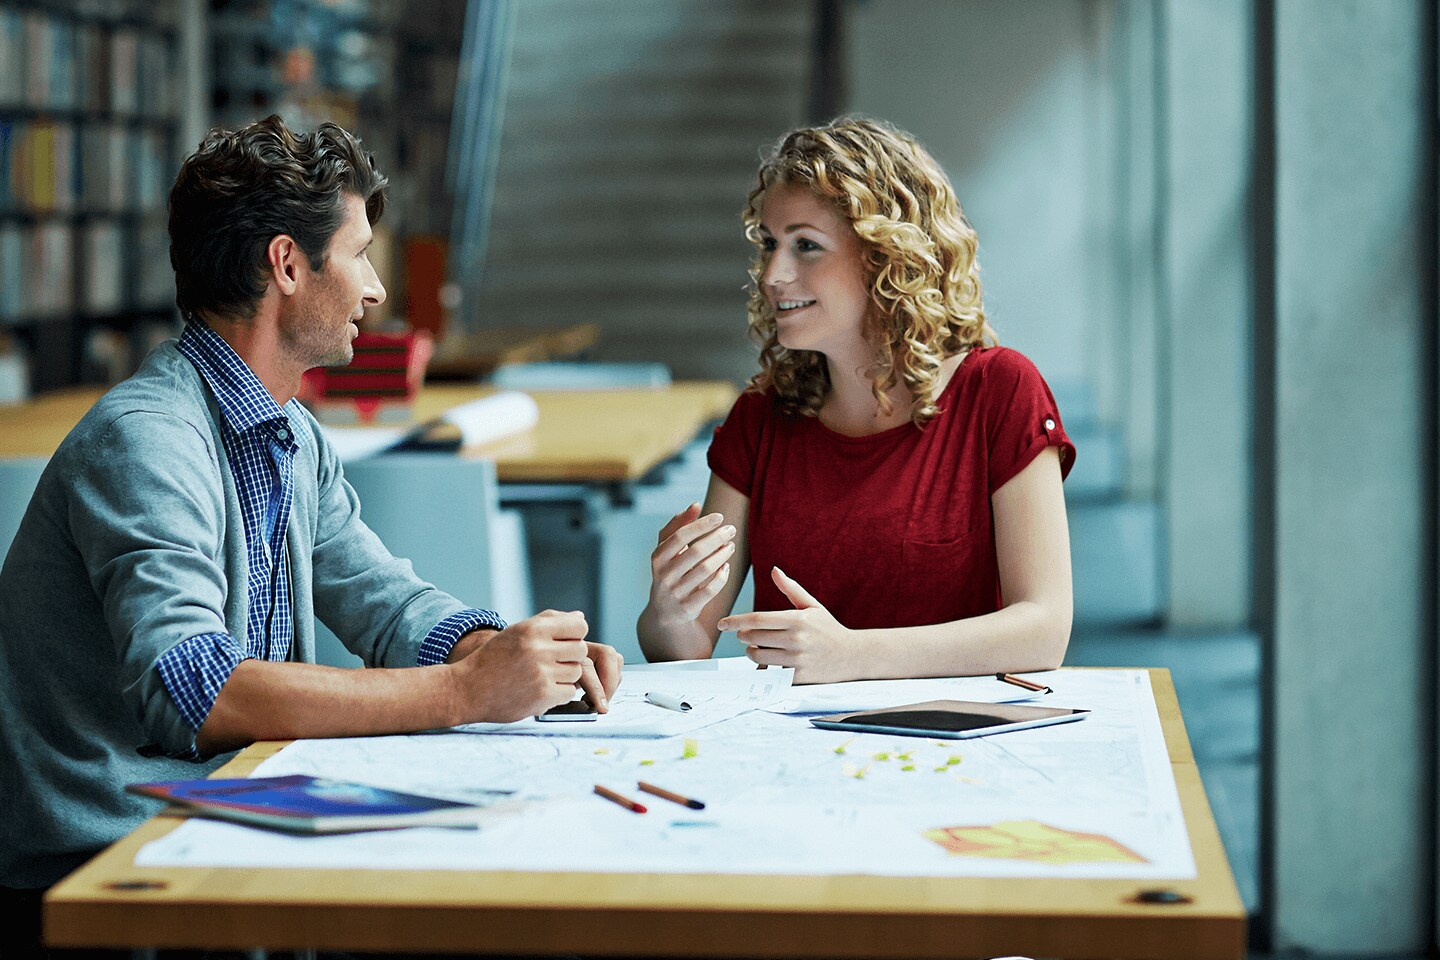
(949, 580)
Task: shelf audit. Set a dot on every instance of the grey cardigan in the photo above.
(133, 542)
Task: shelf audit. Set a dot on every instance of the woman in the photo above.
(892, 475)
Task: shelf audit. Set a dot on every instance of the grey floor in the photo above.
(1217, 678)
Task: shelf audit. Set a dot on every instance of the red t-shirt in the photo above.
(893, 529)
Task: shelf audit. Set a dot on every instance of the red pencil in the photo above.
(614, 797)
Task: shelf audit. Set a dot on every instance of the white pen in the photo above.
(667, 701)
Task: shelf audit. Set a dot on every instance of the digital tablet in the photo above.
(949, 719)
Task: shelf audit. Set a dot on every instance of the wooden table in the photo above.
(111, 903)
(589, 436)
(36, 427)
(584, 436)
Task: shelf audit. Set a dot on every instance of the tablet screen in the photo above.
(950, 718)
(929, 719)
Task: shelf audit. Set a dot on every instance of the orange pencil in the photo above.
(673, 797)
(614, 797)
(1022, 682)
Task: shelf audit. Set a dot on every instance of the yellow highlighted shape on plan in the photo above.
(1032, 842)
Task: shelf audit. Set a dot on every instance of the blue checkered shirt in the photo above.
(261, 440)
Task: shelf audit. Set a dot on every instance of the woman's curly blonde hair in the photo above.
(919, 258)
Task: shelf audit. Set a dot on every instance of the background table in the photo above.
(584, 436)
(573, 476)
(109, 902)
(592, 436)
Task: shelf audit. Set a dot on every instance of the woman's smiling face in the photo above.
(814, 278)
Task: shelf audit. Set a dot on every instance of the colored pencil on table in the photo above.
(614, 797)
(1022, 682)
(673, 797)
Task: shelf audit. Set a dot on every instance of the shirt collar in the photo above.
(244, 402)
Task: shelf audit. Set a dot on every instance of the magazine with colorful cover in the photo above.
(303, 804)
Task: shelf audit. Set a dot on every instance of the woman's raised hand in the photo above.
(690, 565)
(808, 638)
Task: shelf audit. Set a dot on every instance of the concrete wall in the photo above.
(1205, 390)
(1351, 816)
(1101, 148)
(1126, 364)
(998, 92)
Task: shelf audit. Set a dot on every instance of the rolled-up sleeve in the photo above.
(444, 635)
(194, 670)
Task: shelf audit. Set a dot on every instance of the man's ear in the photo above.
(283, 255)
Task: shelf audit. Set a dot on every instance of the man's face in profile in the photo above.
(323, 318)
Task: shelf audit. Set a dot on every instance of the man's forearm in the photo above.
(287, 701)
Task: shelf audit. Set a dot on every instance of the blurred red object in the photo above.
(378, 386)
(424, 276)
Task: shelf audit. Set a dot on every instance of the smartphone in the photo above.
(574, 711)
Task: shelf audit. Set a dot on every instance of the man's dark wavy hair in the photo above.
(244, 187)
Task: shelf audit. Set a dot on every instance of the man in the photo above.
(156, 607)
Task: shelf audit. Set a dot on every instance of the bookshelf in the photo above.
(87, 150)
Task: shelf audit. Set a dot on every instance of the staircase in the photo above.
(631, 139)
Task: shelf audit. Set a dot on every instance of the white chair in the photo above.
(441, 513)
(18, 477)
(580, 376)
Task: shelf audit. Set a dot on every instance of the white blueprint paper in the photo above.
(1081, 800)
(713, 695)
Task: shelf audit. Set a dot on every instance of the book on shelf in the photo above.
(37, 162)
(49, 62)
(303, 804)
(156, 92)
(124, 71)
(7, 163)
(36, 264)
(91, 47)
(50, 270)
(12, 58)
(12, 270)
(151, 170)
(154, 279)
(102, 259)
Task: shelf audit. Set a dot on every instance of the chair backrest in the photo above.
(442, 513)
(18, 477)
(580, 376)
